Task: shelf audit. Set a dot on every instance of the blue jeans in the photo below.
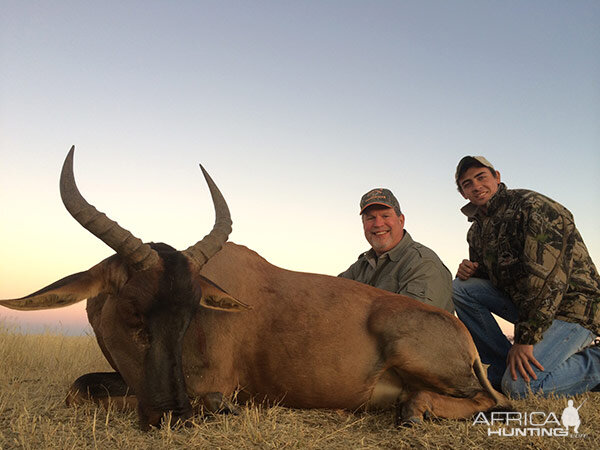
(568, 368)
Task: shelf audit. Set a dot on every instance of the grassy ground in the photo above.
(36, 371)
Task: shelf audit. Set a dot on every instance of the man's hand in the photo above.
(519, 357)
(466, 269)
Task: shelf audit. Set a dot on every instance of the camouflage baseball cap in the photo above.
(470, 159)
(379, 196)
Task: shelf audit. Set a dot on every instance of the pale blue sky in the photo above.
(296, 108)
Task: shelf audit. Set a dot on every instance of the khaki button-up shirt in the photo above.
(409, 269)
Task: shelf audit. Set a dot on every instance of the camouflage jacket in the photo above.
(528, 246)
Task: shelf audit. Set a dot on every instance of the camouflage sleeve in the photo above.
(481, 271)
(475, 253)
(546, 263)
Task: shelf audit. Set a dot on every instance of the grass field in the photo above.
(37, 370)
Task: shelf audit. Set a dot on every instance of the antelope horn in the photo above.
(136, 254)
(203, 250)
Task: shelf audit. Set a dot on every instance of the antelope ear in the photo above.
(106, 276)
(213, 297)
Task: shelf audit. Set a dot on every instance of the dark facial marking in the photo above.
(166, 319)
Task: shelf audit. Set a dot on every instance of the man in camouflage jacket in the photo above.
(527, 264)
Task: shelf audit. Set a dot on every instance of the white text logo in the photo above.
(536, 423)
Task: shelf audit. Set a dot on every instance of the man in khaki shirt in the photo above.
(395, 262)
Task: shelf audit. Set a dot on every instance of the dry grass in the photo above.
(36, 371)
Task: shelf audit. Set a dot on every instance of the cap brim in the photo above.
(375, 203)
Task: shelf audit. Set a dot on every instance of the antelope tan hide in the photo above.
(218, 319)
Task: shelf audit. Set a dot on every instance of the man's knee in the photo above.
(519, 388)
(462, 294)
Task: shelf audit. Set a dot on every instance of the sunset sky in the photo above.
(296, 108)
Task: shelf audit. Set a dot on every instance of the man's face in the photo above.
(383, 228)
(478, 185)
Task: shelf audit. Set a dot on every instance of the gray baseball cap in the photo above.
(469, 159)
